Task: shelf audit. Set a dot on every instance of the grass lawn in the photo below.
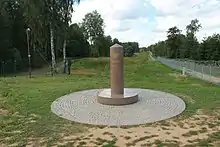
(25, 115)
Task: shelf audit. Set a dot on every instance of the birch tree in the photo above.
(68, 10)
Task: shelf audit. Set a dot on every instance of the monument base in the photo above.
(129, 97)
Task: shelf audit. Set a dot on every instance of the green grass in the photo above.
(31, 98)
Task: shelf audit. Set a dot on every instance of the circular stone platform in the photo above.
(152, 106)
(130, 96)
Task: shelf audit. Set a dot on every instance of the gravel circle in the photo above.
(82, 107)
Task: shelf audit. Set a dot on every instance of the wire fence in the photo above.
(205, 70)
(8, 67)
(15, 68)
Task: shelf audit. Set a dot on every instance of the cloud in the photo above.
(122, 29)
(180, 13)
(147, 21)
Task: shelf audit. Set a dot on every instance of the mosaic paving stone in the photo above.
(82, 107)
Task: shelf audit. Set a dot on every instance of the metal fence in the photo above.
(8, 67)
(205, 70)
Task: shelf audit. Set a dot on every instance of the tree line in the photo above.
(187, 46)
(46, 25)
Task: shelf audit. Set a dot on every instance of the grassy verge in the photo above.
(25, 103)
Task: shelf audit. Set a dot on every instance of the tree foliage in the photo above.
(93, 26)
(130, 48)
(178, 45)
(77, 45)
(51, 32)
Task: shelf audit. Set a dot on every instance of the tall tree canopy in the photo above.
(51, 35)
(173, 42)
(93, 26)
(179, 45)
(48, 21)
(192, 42)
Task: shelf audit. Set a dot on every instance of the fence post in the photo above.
(15, 67)
(183, 71)
(188, 65)
(202, 71)
(194, 65)
(3, 68)
(210, 72)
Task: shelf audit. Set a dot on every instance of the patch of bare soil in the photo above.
(173, 132)
(196, 84)
(170, 132)
(33, 142)
(206, 84)
(177, 75)
(4, 112)
(84, 72)
(216, 144)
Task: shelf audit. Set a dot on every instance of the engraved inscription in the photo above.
(115, 55)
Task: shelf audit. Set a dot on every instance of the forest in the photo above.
(38, 33)
(186, 46)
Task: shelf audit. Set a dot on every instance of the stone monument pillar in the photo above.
(117, 94)
(116, 70)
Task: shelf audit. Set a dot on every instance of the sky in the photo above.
(146, 21)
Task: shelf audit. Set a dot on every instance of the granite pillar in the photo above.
(116, 70)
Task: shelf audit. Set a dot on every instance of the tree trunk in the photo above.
(64, 56)
(65, 35)
(52, 49)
